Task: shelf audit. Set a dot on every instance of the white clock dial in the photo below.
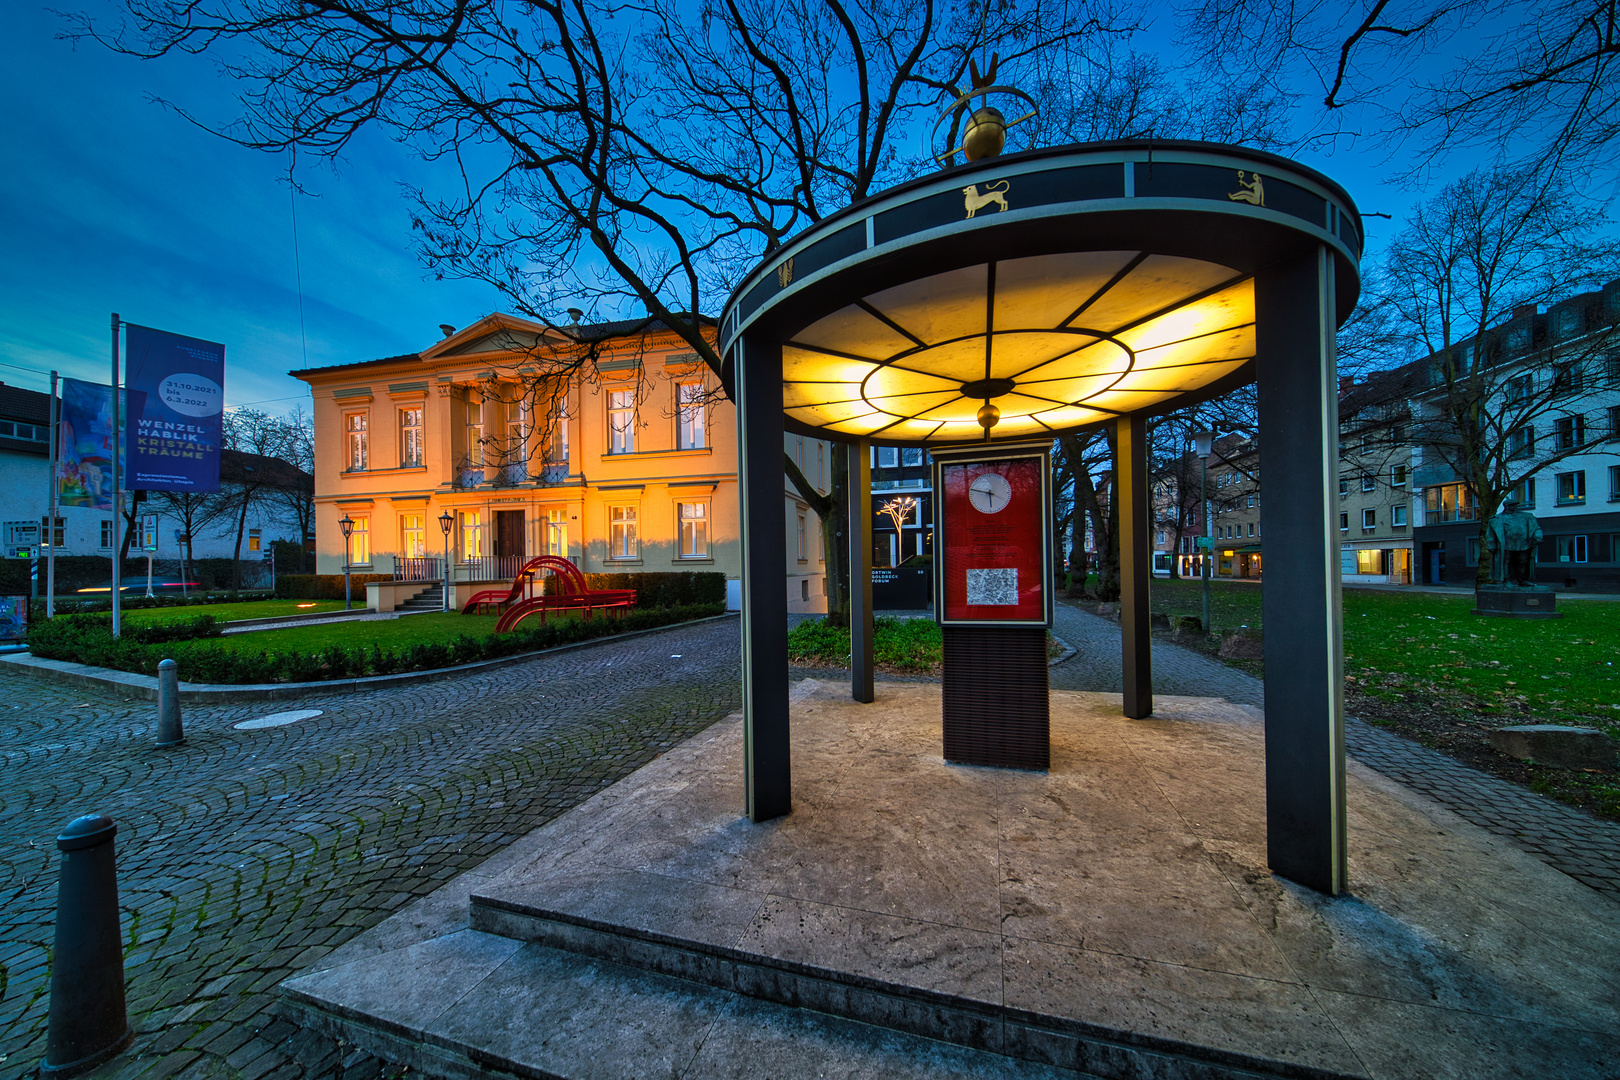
(989, 493)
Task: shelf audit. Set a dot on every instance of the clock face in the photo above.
(989, 493)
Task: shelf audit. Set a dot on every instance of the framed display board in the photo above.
(13, 618)
(993, 531)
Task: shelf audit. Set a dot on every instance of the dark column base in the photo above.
(998, 706)
(1528, 602)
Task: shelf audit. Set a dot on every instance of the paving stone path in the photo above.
(1568, 839)
(245, 856)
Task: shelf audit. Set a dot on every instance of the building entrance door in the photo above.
(509, 535)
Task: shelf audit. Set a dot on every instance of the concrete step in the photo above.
(906, 1010)
(471, 1004)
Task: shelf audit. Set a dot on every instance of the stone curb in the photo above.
(1068, 651)
(144, 687)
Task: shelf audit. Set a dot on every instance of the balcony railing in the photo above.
(418, 569)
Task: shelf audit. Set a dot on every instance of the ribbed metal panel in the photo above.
(997, 705)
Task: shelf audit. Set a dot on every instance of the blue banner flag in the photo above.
(174, 440)
(85, 444)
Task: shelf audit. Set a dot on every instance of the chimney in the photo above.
(1524, 311)
(446, 329)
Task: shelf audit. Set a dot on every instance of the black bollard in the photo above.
(169, 732)
(88, 1024)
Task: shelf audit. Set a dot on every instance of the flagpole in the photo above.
(50, 522)
(117, 480)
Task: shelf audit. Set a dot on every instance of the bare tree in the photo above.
(620, 160)
(1489, 392)
(1533, 82)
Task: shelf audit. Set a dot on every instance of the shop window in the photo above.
(1571, 548)
(1371, 562)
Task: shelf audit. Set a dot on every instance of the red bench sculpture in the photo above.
(564, 590)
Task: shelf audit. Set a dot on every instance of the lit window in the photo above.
(1446, 503)
(622, 532)
(359, 445)
(694, 525)
(1525, 494)
(1369, 518)
(360, 541)
(557, 531)
(472, 535)
(255, 540)
(1572, 487)
(691, 430)
(412, 541)
(410, 437)
(1370, 562)
(622, 423)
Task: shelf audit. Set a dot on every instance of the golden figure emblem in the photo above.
(784, 274)
(993, 195)
(984, 130)
(1249, 191)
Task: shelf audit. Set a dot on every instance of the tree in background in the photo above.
(1489, 394)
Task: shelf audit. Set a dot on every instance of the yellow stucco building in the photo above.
(627, 463)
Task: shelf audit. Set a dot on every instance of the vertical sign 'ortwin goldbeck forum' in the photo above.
(174, 440)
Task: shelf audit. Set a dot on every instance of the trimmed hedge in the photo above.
(89, 640)
(67, 605)
(324, 586)
(674, 589)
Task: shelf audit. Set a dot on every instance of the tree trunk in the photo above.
(236, 554)
(832, 509)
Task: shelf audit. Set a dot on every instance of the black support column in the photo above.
(761, 479)
(1304, 685)
(1135, 566)
(860, 570)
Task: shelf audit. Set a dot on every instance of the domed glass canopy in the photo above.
(1052, 341)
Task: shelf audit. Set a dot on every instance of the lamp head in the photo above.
(1203, 443)
(347, 525)
(445, 521)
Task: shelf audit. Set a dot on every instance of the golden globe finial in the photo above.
(984, 134)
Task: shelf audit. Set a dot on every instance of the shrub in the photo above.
(88, 639)
(675, 589)
(323, 586)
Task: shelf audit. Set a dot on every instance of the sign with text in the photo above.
(996, 550)
(85, 440)
(174, 439)
(149, 532)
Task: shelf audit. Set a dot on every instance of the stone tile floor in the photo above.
(246, 856)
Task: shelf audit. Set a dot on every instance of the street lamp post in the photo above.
(347, 525)
(1203, 443)
(445, 521)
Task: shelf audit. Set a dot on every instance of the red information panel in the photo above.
(993, 526)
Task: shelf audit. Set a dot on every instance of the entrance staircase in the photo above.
(429, 599)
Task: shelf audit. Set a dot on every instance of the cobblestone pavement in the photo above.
(1568, 839)
(245, 856)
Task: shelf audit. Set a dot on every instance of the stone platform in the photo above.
(1112, 917)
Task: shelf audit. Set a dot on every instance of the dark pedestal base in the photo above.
(1531, 602)
(997, 705)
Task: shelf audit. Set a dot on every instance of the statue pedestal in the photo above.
(1529, 602)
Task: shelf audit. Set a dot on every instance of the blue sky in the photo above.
(115, 203)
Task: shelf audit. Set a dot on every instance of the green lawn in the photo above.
(1400, 643)
(435, 628)
(248, 609)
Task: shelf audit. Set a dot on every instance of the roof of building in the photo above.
(236, 466)
(582, 331)
(29, 406)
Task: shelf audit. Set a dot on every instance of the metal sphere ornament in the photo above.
(984, 132)
(989, 417)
